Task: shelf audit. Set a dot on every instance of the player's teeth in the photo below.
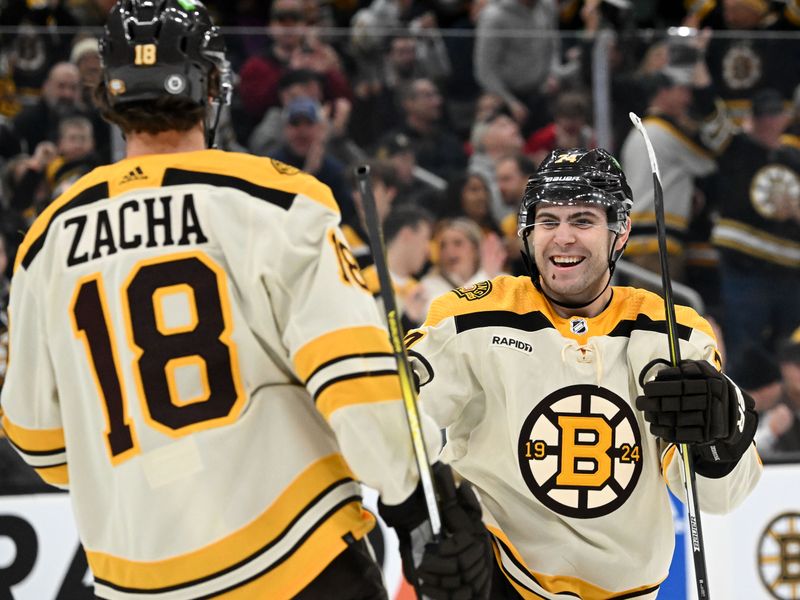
(568, 260)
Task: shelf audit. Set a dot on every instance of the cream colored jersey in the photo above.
(195, 354)
(540, 417)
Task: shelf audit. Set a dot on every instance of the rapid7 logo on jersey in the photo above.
(580, 451)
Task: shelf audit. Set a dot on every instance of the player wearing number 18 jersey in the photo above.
(195, 354)
(547, 384)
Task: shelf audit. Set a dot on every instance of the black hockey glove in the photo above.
(696, 404)
(458, 566)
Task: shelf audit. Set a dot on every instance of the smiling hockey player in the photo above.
(559, 409)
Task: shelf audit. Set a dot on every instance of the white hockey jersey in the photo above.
(195, 354)
(540, 417)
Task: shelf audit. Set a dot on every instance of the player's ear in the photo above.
(622, 239)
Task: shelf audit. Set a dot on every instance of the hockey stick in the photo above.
(398, 348)
(689, 480)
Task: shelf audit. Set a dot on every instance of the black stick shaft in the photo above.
(689, 478)
(398, 348)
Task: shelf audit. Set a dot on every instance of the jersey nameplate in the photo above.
(131, 224)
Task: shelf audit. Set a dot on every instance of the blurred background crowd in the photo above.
(453, 103)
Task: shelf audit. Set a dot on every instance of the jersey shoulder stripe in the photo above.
(514, 302)
(253, 175)
(185, 177)
(79, 195)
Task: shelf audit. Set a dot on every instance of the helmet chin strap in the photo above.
(535, 275)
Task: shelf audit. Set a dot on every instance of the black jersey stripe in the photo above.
(257, 553)
(88, 196)
(360, 374)
(333, 361)
(506, 551)
(532, 321)
(271, 195)
(36, 452)
(645, 323)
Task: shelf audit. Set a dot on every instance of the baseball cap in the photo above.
(302, 108)
(767, 102)
(395, 143)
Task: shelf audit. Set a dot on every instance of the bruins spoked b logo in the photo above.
(580, 451)
(779, 557)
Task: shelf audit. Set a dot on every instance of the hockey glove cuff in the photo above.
(457, 566)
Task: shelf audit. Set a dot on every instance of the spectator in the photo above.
(304, 146)
(788, 439)
(86, 56)
(569, 129)
(61, 94)
(469, 196)
(397, 149)
(512, 173)
(682, 158)
(76, 154)
(435, 148)
(39, 43)
(756, 196)
(521, 70)
(493, 138)
(743, 64)
(465, 257)
(761, 378)
(288, 40)
(407, 234)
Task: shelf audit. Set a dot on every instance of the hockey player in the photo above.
(559, 410)
(195, 360)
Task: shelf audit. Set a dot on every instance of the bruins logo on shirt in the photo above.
(474, 292)
(284, 169)
(775, 192)
(580, 451)
(779, 556)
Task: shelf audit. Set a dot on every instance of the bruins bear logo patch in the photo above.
(474, 292)
(284, 169)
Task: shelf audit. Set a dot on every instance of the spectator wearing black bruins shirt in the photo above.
(757, 196)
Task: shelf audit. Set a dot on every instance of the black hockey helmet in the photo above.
(156, 48)
(577, 177)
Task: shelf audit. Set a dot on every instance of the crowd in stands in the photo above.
(454, 103)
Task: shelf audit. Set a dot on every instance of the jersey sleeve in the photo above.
(340, 348)
(449, 391)
(31, 411)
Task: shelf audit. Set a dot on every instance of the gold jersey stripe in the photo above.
(559, 584)
(301, 568)
(336, 344)
(34, 440)
(241, 544)
(57, 475)
(649, 218)
(359, 390)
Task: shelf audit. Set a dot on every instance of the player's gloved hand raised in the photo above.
(696, 404)
(459, 565)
